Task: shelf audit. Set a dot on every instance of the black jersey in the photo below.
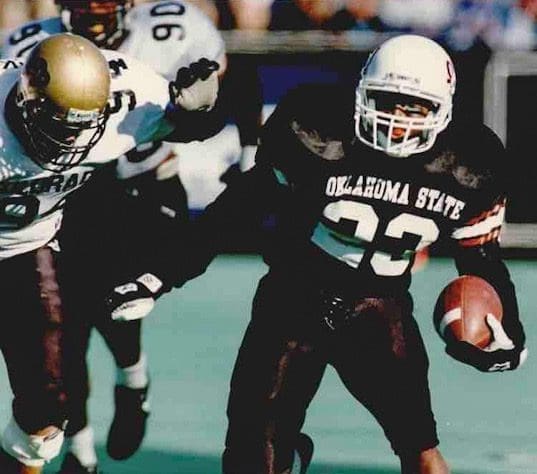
(352, 217)
(359, 215)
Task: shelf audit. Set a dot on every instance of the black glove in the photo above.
(500, 355)
(135, 299)
(196, 86)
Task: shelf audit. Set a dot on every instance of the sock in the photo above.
(82, 446)
(134, 376)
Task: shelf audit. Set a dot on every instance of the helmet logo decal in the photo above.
(392, 76)
(450, 72)
(78, 116)
(38, 73)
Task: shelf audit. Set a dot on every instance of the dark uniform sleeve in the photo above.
(476, 240)
(238, 210)
(482, 258)
(282, 162)
(242, 95)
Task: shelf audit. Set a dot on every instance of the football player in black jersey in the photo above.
(356, 182)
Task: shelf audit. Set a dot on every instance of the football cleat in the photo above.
(128, 427)
(71, 465)
(303, 453)
(304, 449)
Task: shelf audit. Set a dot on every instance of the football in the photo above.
(461, 309)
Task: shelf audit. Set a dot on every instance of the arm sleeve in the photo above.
(243, 97)
(239, 209)
(477, 252)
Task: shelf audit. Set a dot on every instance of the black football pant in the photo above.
(109, 227)
(33, 338)
(379, 356)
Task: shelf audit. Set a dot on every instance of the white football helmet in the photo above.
(407, 69)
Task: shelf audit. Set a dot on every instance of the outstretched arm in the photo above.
(238, 209)
(264, 189)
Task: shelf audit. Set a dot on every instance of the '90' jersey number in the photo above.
(351, 248)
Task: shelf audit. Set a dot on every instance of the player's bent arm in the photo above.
(485, 261)
(507, 350)
(239, 209)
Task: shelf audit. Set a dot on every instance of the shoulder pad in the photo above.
(473, 153)
(310, 125)
(327, 108)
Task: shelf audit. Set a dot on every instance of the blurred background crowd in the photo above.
(458, 24)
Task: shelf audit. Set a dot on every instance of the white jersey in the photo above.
(168, 35)
(31, 198)
(164, 35)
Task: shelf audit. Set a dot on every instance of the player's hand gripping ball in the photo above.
(468, 316)
(462, 308)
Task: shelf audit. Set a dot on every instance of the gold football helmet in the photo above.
(101, 21)
(63, 98)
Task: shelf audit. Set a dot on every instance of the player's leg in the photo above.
(32, 343)
(89, 224)
(131, 400)
(427, 461)
(81, 456)
(155, 204)
(276, 374)
(381, 359)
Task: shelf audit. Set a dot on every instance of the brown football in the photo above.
(462, 307)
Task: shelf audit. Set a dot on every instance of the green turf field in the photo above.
(487, 422)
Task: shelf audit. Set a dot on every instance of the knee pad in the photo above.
(31, 450)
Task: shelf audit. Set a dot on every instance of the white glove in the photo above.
(501, 354)
(196, 86)
(500, 340)
(135, 299)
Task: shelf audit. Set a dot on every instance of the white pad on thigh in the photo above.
(31, 450)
